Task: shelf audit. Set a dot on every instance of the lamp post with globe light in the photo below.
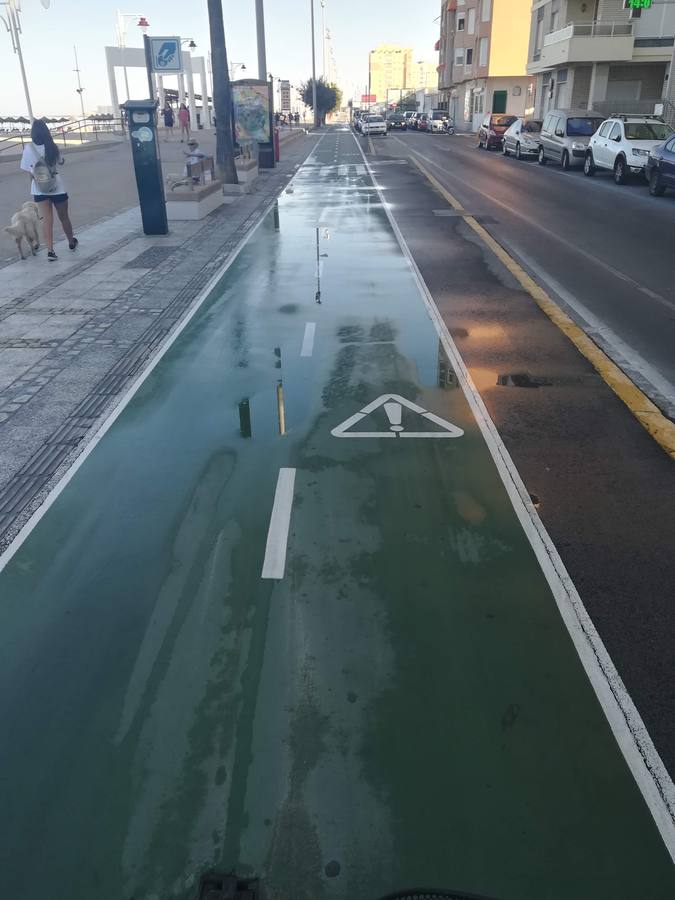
(12, 22)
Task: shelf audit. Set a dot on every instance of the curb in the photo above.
(661, 429)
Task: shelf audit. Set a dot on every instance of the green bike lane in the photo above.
(402, 706)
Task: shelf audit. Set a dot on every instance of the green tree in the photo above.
(328, 97)
(222, 95)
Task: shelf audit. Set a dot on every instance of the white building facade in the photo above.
(594, 54)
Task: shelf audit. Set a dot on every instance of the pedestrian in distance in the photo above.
(42, 159)
(184, 119)
(297, 118)
(167, 112)
(277, 119)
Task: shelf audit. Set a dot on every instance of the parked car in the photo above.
(422, 122)
(412, 121)
(660, 168)
(409, 114)
(522, 138)
(396, 121)
(492, 128)
(565, 135)
(374, 125)
(622, 143)
(438, 121)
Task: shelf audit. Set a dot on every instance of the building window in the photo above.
(483, 51)
(459, 56)
(539, 34)
(469, 56)
(486, 10)
(555, 14)
(471, 24)
(478, 101)
(460, 23)
(562, 76)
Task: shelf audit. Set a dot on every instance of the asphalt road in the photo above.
(349, 679)
(606, 251)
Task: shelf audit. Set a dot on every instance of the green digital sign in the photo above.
(639, 4)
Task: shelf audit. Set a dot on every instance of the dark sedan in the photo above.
(396, 120)
(491, 131)
(660, 168)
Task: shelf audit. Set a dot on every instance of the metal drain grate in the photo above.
(424, 894)
(151, 257)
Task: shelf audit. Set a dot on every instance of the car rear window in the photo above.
(438, 114)
(375, 119)
(533, 125)
(582, 127)
(647, 131)
(503, 121)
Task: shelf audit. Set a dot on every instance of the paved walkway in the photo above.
(75, 333)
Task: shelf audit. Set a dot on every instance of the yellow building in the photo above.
(483, 59)
(390, 68)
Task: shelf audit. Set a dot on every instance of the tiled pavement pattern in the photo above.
(72, 339)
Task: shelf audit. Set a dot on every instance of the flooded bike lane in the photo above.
(284, 618)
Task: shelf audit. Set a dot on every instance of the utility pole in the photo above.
(222, 95)
(79, 89)
(316, 111)
(260, 30)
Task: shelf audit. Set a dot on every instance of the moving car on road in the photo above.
(565, 135)
(374, 125)
(396, 121)
(622, 143)
(492, 129)
(660, 168)
(522, 138)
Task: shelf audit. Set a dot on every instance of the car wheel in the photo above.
(541, 157)
(620, 171)
(589, 167)
(656, 189)
(504, 150)
(480, 143)
(518, 154)
(565, 161)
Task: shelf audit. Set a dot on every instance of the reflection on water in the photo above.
(245, 418)
(446, 374)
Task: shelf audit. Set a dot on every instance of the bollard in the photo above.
(277, 149)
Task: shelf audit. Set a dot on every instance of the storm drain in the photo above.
(227, 887)
(151, 257)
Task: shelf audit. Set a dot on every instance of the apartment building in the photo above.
(483, 59)
(595, 54)
(390, 68)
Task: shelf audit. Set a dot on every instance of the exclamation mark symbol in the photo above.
(393, 411)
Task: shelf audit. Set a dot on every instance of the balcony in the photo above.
(584, 42)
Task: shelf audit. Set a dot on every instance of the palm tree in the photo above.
(222, 95)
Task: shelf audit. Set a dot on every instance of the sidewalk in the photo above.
(75, 334)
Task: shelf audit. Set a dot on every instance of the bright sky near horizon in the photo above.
(49, 35)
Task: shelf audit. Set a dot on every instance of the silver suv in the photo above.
(565, 135)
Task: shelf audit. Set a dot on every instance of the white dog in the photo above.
(24, 225)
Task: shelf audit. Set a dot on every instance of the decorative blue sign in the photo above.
(165, 55)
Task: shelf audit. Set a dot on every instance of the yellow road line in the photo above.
(648, 415)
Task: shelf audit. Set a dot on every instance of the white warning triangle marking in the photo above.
(393, 405)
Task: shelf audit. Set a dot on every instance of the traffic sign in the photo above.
(164, 55)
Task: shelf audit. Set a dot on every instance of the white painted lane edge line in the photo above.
(308, 339)
(630, 732)
(274, 565)
(117, 410)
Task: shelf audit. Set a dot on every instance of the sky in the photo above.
(49, 35)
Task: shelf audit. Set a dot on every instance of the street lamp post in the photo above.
(260, 32)
(233, 69)
(12, 22)
(316, 112)
(123, 20)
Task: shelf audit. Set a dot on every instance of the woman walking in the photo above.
(184, 119)
(167, 112)
(41, 158)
